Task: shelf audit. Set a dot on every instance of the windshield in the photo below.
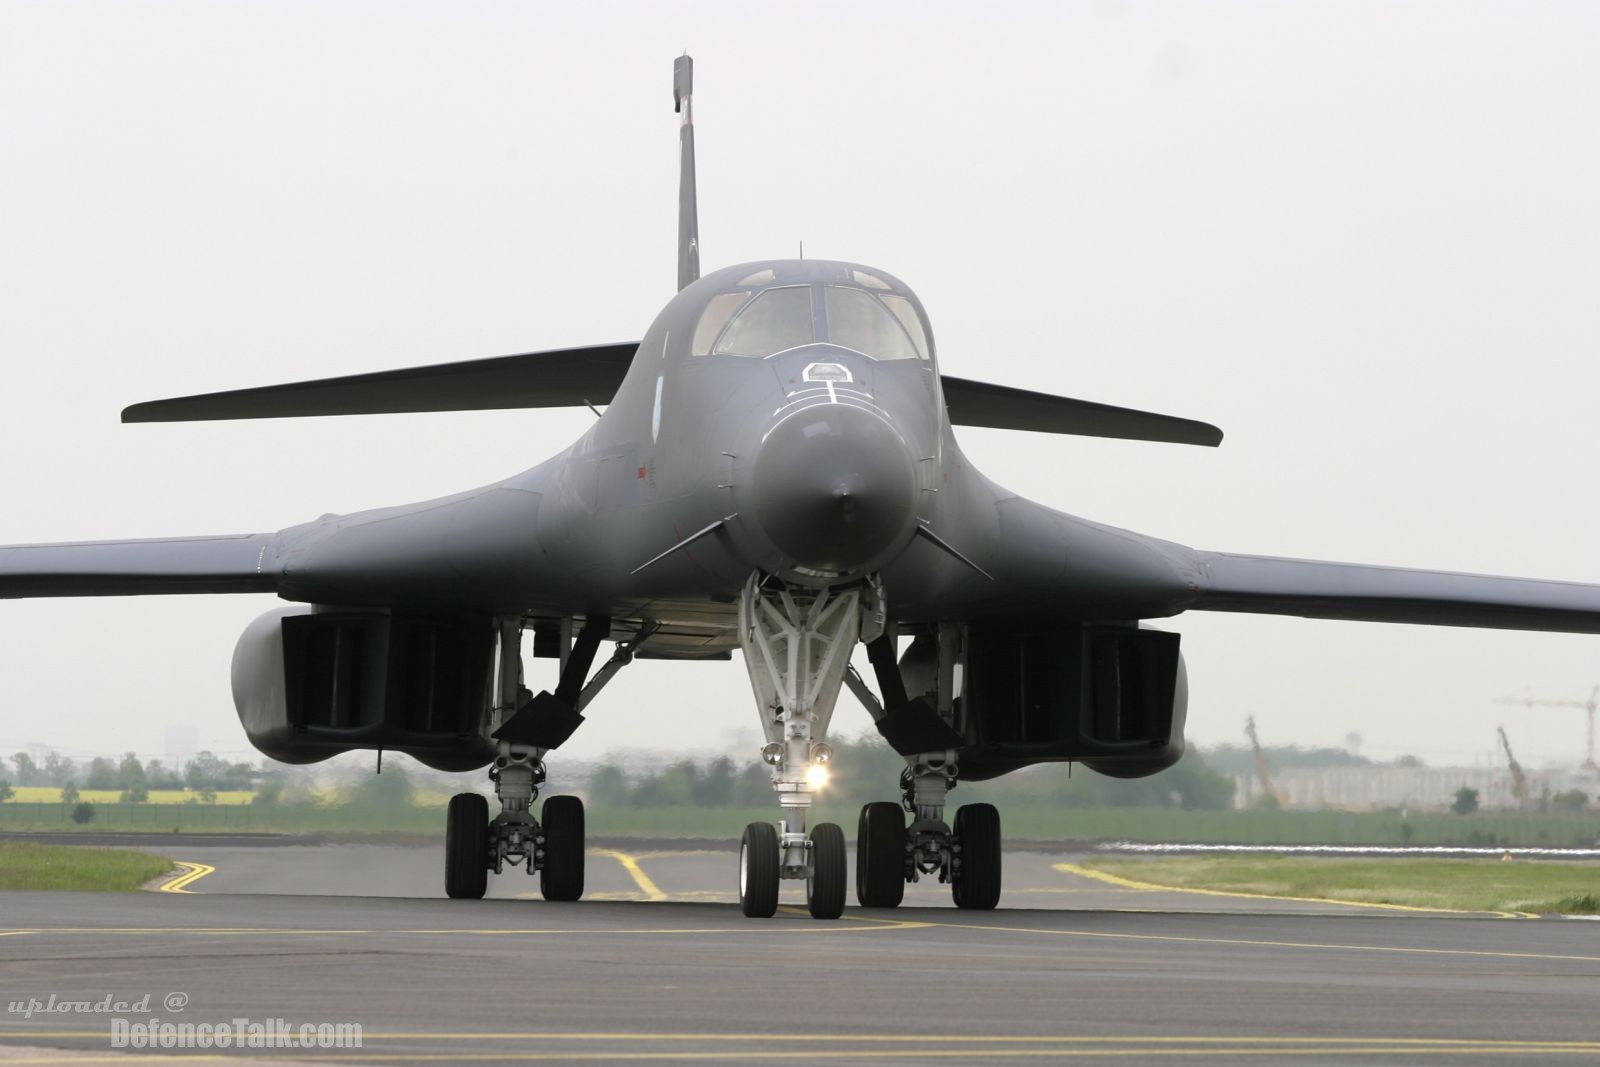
(776, 320)
(908, 318)
(858, 320)
(714, 318)
(883, 325)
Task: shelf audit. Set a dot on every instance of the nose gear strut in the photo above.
(797, 644)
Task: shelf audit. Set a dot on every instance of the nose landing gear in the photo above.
(761, 868)
(797, 644)
(759, 860)
(825, 881)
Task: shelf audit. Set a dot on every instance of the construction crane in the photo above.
(1586, 705)
(1519, 781)
(1262, 774)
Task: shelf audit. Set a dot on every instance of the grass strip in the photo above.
(25, 865)
(1488, 884)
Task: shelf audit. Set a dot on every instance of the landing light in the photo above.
(816, 776)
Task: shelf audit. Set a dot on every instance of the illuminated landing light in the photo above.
(816, 776)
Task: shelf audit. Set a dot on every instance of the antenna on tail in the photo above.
(688, 213)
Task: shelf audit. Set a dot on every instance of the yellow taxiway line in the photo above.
(900, 1046)
(56, 1060)
(968, 1054)
(808, 927)
(191, 873)
(630, 864)
(1130, 883)
(578, 1036)
(1391, 1053)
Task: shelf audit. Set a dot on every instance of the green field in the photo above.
(222, 818)
(1488, 884)
(1047, 822)
(49, 794)
(25, 865)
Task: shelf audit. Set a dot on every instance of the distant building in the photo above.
(182, 742)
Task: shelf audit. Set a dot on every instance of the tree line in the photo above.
(865, 769)
(207, 773)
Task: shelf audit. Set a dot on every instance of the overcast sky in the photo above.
(1363, 238)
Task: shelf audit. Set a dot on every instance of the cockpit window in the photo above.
(878, 324)
(776, 320)
(856, 319)
(902, 309)
(871, 281)
(716, 315)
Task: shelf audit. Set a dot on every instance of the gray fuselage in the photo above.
(823, 458)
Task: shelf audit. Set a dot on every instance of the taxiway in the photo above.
(659, 964)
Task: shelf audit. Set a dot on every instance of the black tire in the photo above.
(561, 877)
(825, 873)
(881, 856)
(758, 871)
(466, 847)
(976, 885)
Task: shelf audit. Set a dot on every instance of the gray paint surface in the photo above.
(682, 445)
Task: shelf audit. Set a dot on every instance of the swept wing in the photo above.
(1265, 585)
(244, 563)
(572, 377)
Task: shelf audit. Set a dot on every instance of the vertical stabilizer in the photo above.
(688, 213)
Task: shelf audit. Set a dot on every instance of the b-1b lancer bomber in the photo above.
(776, 472)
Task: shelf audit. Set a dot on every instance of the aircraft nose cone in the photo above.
(835, 488)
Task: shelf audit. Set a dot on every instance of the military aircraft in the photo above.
(775, 471)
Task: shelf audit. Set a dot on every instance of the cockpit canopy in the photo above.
(865, 315)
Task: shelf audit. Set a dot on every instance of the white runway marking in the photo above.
(1356, 850)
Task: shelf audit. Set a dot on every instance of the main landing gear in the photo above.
(890, 853)
(552, 845)
(526, 728)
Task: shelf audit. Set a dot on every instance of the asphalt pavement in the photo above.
(657, 963)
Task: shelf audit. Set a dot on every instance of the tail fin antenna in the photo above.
(688, 212)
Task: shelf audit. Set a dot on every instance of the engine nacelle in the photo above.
(1111, 697)
(312, 682)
